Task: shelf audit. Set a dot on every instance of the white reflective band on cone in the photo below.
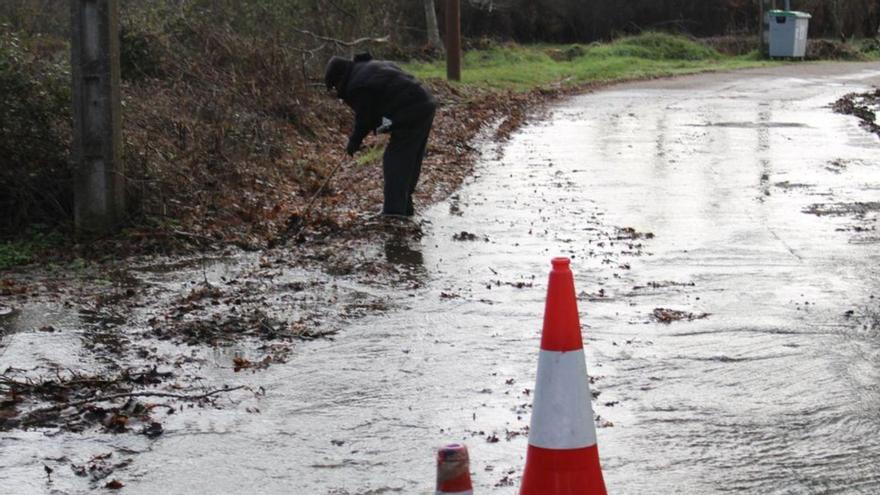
(562, 417)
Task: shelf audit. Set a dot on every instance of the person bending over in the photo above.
(386, 99)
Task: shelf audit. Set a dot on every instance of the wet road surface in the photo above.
(740, 200)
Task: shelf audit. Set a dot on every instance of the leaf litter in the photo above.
(126, 309)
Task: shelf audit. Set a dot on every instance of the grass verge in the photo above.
(521, 68)
(22, 251)
(370, 155)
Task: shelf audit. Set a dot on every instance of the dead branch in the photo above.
(9, 382)
(347, 44)
(307, 55)
(310, 53)
(128, 395)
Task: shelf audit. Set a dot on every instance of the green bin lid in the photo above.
(789, 13)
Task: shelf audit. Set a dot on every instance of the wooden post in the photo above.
(99, 189)
(762, 48)
(453, 40)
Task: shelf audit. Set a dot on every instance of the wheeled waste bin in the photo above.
(788, 33)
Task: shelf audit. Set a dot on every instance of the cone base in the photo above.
(563, 472)
(459, 485)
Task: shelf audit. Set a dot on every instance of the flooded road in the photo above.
(739, 200)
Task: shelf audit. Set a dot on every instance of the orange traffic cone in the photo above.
(563, 458)
(453, 471)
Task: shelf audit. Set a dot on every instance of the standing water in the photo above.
(722, 233)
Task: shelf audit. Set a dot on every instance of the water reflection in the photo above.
(401, 249)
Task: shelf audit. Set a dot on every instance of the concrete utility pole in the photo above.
(453, 40)
(99, 189)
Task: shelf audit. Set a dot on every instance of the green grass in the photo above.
(22, 251)
(370, 155)
(15, 253)
(870, 48)
(525, 67)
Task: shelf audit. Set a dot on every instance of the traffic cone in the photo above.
(454, 471)
(562, 457)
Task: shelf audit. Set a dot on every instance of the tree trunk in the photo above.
(434, 41)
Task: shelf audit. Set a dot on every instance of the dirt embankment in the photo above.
(134, 322)
(193, 201)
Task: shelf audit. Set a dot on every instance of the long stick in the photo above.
(383, 39)
(320, 190)
(292, 229)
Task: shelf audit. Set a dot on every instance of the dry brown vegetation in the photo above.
(227, 129)
(235, 163)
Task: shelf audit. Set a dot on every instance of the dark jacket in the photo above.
(376, 89)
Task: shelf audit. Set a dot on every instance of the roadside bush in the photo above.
(733, 45)
(819, 49)
(220, 111)
(566, 54)
(870, 47)
(210, 103)
(24, 250)
(660, 46)
(140, 53)
(35, 177)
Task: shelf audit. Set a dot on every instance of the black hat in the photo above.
(334, 74)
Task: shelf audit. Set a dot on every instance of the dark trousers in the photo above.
(402, 162)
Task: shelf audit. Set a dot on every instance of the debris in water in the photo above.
(464, 236)
(114, 485)
(666, 315)
(240, 363)
(603, 423)
(506, 480)
(857, 209)
(863, 106)
(629, 233)
(153, 430)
